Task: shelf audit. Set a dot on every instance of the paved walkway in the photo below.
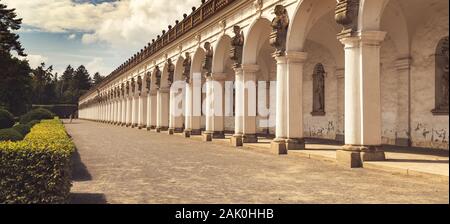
(123, 165)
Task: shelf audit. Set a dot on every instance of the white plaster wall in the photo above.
(320, 126)
(389, 90)
(427, 130)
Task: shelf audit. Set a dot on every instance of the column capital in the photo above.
(296, 56)
(372, 37)
(280, 59)
(250, 68)
(219, 76)
(403, 63)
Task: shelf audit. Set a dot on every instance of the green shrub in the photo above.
(6, 119)
(33, 123)
(10, 134)
(37, 169)
(23, 129)
(36, 114)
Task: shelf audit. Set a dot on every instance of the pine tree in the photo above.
(9, 41)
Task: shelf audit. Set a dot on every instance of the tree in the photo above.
(98, 78)
(9, 41)
(15, 78)
(81, 79)
(43, 85)
(15, 84)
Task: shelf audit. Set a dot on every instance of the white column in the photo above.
(141, 110)
(188, 110)
(362, 99)
(250, 102)
(128, 111)
(209, 110)
(279, 143)
(237, 138)
(149, 110)
(294, 100)
(133, 110)
(152, 109)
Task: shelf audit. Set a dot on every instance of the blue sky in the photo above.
(99, 34)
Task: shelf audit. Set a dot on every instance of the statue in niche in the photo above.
(133, 85)
(139, 82)
(128, 87)
(207, 62)
(158, 77)
(148, 81)
(280, 25)
(442, 79)
(237, 44)
(187, 67)
(346, 14)
(319, 90)
(170, 71)
(122, 89)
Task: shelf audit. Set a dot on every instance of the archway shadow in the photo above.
(79, 170)
(87, 198)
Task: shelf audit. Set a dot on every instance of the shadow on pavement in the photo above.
(87, 198)
(79, 170)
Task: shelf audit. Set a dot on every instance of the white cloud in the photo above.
(36, 60)
(72, 36)
(97, 65)
(130, 23)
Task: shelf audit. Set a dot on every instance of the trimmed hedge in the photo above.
(6, 119)
(37, 169)
(10, 134)
(23, 129)
(33, 123)
(36, 114)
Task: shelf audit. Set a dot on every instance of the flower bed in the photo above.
(37, 169)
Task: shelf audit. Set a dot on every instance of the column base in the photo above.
(142, 127)
(355, 156)
(218, 135)
(160, 129)
(128, 125)
(295, 144)
(187, 133)
(250, 138)
(237, 140)
(134, 125)
(171, 131)
(207, 136)
(279, 145)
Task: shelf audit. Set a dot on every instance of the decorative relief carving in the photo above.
(157, 77)
(139, 82)
(148, 80)
(170, 71)
(319, 90)
(133, 85)
(207, 62)
(187, 67)
(346, 14)
(442, 78)
(237, 44)
(280, 25)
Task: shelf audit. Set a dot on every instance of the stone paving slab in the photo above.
(124, 165)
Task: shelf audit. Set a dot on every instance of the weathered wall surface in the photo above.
(427, 130)
(320, 126)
